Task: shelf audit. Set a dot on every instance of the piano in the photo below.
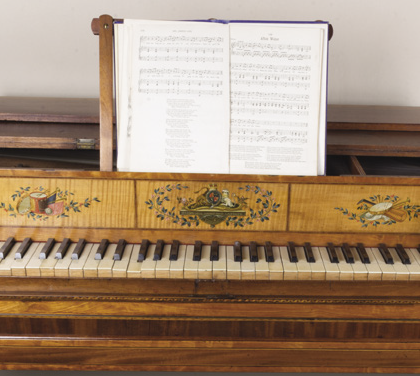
(104, 270)
(128, 271)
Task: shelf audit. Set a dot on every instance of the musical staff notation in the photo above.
(270, 76)
(271, 50)
(183, 59)
(271, 95)
(177, 50)
(182, 72)
(284, 84)
(279, 68)
(269, 111)
(250, 103)
(179, 82)
(179, 91)
(250, 136)
(183, 39)
(250, 123)
(241, 45)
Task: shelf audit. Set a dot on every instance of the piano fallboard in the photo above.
(203, 324)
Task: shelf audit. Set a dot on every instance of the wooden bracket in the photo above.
(104, 27)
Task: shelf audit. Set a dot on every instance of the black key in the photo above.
(214, 251)
(158, 250)
(101, 249)
(308, 252)
(64, 246)
(23, 248)
(173, 256)
(6, 247)
(362, 253)
(197, 251)
(118, 254)
(385, 254)
(348, 255)
(405, 259)
(237, 252)
(77, 251)
(143, 250)
(332, 253)
(253, 252)
(47, 248)
(268, 248)
(291, 250)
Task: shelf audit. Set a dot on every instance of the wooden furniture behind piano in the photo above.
(281, 315)
(63, 133)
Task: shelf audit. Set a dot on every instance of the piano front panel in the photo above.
(55, 202)
(102, 318)
(200, 207)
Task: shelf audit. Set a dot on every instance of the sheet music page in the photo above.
(275, 98)
(123, 89)
(179, 97)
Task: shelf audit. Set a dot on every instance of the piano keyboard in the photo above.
(207, 261)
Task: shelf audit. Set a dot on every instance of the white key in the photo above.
(317, 267)
(149, 265)
(373, 268)
(190, 266)
(388, 271)
(176, 270)
(48, 264)
(276, 267)
(76, 266)
(247, 266)
(19, 265)
(290, 268)
(107, 262)
(119, 270)
(34, 264)
(332, 273)
(346, 270)
(205, 266)
(6, 263)
(233, 267)
(90, 269)
(414, 267)
(219, 266)
(359, 268)
(415, 253)
(163, 265)
(303, 266)
(401, 270)
(262, 271)
(134, 266)
(61, 268)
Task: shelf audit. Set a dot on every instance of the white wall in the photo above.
(47, 48)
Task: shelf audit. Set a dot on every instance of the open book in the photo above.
(221, 97)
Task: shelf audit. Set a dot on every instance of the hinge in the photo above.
(85, 143)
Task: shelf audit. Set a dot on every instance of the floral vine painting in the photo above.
(213, 206)
(382, 210)
(39, 203)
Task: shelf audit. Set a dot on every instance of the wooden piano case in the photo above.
(206, 324)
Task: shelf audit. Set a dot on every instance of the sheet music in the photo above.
(221, 98)
(275, 99)
(123, 102)
(179, 97)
